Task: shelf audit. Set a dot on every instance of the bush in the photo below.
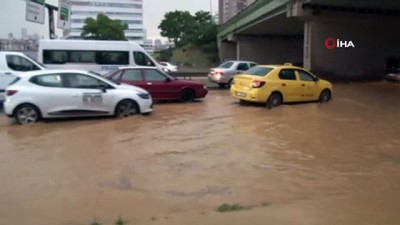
(166, 55)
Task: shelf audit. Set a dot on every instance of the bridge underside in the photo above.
(272, 41)
(298, 36)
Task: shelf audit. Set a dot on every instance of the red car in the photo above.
(160, 85)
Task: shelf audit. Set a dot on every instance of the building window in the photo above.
(106, 4)
(95, 13)
(124, 21)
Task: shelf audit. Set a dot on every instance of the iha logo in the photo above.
(332, 43)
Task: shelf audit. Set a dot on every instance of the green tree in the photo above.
(176, 26)
(199, 30)
(103, 28)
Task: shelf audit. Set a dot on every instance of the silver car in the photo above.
(224, 73)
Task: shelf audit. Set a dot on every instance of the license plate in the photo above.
(240, 94)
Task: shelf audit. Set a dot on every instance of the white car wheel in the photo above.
(26, 114)
(126, 108)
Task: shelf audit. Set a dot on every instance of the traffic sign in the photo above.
(35, 11)
(64, 15)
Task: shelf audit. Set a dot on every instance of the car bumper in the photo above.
(218, 79)
(251, 95)
(8, 107)
(202, 93)
(146, 106)
(393, 76)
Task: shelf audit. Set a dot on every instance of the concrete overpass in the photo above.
(299, 31)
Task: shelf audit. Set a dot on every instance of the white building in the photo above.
(128, 11)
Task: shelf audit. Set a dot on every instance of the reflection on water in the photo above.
(336, 163)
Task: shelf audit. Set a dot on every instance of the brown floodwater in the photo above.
(300, 164)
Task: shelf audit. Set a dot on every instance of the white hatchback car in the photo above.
(72, 93)
(168, 67)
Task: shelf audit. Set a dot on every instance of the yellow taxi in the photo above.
(277, 84)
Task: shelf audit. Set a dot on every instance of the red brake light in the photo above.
(257, 84)
(11, 92)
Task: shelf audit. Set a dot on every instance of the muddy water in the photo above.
(337, 163)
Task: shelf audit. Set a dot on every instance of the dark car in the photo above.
(392, 68)
(160, 85)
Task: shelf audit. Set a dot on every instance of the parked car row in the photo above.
(76, 93)
(132, 90)
(33, 91)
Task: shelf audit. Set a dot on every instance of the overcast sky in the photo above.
(12, 15)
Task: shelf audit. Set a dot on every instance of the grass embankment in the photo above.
(190, 58)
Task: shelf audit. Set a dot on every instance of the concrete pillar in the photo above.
(373, 38)
(307, 50)
(227, 50)
(271, 50)
(238, 50)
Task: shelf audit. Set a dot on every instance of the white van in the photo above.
(98, 56)
(13, 64)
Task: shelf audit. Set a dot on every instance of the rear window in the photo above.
(226, 65)
(259, 71)
(15, 81)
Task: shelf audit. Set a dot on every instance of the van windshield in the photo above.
(31, 58)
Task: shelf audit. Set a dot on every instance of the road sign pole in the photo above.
(52, 31)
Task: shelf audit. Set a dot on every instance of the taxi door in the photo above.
(290, 86)
(309, 86)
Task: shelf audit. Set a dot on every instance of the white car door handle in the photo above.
(148, 83)
(8, 73)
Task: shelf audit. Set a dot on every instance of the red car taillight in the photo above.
(11, 92)
(257, 84)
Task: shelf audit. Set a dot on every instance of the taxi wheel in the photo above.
(186, 95)
(26, 114)
(274, 100)
(325, 96)
(126, 108)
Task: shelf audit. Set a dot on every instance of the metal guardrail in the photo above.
(189, 75)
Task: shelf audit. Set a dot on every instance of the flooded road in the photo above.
(301, 164)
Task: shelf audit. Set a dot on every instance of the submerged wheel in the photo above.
(186, 95)
(325, 96)
(126, 108)
(274, 100)
(26, 114)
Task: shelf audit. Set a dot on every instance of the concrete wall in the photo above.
(374, 38)
(227, 50)
(270, 50)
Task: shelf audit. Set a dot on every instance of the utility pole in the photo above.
(52, 27)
